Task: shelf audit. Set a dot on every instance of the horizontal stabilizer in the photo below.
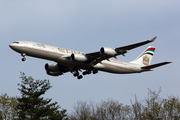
(154, 65)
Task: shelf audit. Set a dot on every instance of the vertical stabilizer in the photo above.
(145, 58)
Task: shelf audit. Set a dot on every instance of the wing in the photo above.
(96, 57)
(129, 47)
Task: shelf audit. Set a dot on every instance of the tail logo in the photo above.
(146, 60)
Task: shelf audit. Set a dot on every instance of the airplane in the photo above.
(74, 61)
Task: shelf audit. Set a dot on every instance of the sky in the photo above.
(87, 26)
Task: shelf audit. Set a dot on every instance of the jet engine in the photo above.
(53, 69)
(108, 51)
(78, 57)
(54, 73)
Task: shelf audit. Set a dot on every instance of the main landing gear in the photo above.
(76, 74)
(87, 72)
(23, 55)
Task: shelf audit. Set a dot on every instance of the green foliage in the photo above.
(32, 105)
(8, 107)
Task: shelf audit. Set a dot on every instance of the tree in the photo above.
(171, 107)
(4, 105)
(156, 108)
(1, 118)
(8, 107)
(32, 105)
(13, 107)
(82, 111)
(104, 110)
(151, 108)
(137, 109)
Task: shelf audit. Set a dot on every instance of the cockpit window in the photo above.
(16, 42)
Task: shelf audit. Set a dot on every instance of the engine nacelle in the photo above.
(108, 51)
(53, 67)
(78, 57)
(54, 73)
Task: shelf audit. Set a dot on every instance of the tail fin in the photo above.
(145, 58)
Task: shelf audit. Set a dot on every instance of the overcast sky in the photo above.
(87, 26)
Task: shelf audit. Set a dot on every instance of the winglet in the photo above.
(152, 40)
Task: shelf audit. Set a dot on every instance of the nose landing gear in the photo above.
(23, 59)
(23, 55)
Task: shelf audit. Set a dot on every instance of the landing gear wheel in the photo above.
(87, 72)
(80, 77)
(95, 71)
(23, 59)
(84, 73)
(76, 74)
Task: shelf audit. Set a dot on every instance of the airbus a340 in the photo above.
(74, 61)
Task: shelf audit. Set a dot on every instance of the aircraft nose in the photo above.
(10, 45)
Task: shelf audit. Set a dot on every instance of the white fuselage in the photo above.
(59, 55)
